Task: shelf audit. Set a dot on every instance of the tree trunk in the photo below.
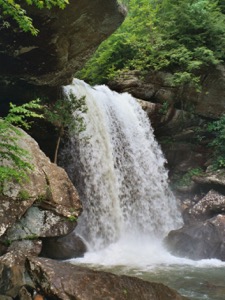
(57, 144)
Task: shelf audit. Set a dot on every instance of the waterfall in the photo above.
(118, 169)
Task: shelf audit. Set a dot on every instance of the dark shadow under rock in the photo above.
(65, 247)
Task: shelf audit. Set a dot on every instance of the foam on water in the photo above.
(141, 253)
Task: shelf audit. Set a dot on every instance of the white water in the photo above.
(125, 188)
(127, 205)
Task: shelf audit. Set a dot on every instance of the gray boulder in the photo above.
(47, 204)
(199, 240)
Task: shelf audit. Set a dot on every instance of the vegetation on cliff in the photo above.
(217, 128)
(182, 37)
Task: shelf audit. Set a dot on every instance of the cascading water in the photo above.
(118, 169)
(124, 183)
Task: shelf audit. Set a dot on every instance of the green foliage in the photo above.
(19, 115)
(23, 195)
(17, 11)
(14, 160)
(67, 115)
(72, 218)
(186, 179)
(31, 237)
(164, 108)
(178, 36)
(217, 128)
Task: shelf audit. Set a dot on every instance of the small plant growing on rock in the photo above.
(67, 116)
(23, 195)
(72, 218)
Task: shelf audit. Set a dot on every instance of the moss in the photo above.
(23, 195)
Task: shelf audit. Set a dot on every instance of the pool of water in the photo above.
(196, 283)
(197, 280)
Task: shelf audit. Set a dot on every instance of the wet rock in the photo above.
(200, 240)
(65, 247)
(66, 281)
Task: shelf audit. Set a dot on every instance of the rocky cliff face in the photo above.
(31, 65)
(154, 87)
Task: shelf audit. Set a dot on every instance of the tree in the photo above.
(17, 11)
(180, 36)
(14, 160)
(67, 116)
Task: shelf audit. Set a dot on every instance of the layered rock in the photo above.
(155, 87)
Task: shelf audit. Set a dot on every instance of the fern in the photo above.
(14, 160)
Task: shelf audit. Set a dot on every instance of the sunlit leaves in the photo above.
(17, 11)
(179, 36)
(14, 160)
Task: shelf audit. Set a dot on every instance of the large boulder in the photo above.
(45, 205)
(66, 281)
(199, 240)
(66, 40)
